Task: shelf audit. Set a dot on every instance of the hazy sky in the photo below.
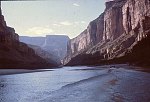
(40, 18)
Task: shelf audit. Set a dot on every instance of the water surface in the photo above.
(31, 86)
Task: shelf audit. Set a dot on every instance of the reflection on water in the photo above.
(33, 86)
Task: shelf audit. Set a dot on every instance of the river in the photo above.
(76, 84)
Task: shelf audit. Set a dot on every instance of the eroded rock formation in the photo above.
(112, 34)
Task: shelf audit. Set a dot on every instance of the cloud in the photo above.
(76, 22)
(79, 22)
(108, 0)
(75, 4)
(57, 25)
(66, 23)
(83, 22)
(39, 30)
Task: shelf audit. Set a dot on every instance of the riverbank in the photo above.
(125, 66)
(19, 71)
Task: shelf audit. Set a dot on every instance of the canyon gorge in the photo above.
(109, 61)
(121, 34)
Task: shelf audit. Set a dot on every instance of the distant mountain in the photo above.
(53, 44)
(39, 41)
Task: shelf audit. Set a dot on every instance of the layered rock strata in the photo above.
(112, 34)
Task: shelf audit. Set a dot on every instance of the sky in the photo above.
(51, 17)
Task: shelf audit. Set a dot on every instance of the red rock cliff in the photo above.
(113, 33)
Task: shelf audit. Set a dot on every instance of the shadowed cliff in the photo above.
(14, 54)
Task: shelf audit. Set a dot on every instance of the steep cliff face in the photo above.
(14, 54)
(113, 19)
(54, 44)
(89, 37)
(112, 34)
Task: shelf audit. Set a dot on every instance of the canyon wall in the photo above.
(112, 34)
(15, 54)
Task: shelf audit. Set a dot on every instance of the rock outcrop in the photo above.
(15, 54)
(53, 44)
(113, 34)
